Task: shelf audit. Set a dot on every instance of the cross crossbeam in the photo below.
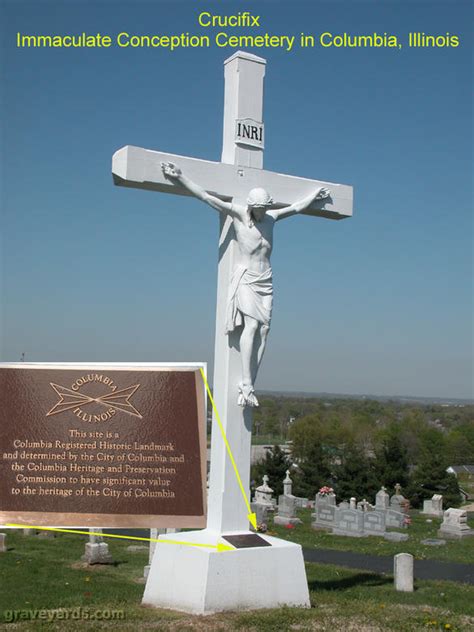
(141, 169)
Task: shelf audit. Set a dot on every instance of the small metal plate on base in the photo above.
(246, 541)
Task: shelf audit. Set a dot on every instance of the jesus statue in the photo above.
(250, 296)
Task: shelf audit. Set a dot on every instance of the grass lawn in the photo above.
(453, 550)
(45, 574)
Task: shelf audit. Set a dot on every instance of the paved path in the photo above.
(424, 569)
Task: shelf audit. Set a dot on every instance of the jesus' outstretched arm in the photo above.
(172, 171)
(298, 207)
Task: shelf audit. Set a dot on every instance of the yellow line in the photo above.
(110, 535)
(221, 427)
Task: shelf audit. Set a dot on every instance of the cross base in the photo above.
(204, 581)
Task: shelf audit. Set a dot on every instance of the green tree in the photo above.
(355, 475)
(274, 465)
(430, 475)
(391, 462)
(460, 445)
(313, 472)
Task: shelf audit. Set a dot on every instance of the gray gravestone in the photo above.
(394, 536)
(382, 499)
(261, 511)
(286, 511)
(374, 522)
(395, 518)
(349, 522)
(3, 542)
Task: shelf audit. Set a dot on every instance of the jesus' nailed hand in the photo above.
(250, 299)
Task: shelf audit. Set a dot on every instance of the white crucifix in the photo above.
(249, 201)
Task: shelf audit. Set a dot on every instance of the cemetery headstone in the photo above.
(287, 484)
(374, 522)
(382, 499)
(3, 542)
(395, 536)
(433, 506)
(287, 511)
(350, 522)
(264, 493)
(454, 525)
(433, 542)
(403, 572)
(97, 551)
(287, 505)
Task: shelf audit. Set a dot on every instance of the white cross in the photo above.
(232, 179)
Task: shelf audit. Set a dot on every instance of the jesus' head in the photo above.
(258, 201)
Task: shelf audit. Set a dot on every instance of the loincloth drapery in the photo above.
(250, 294)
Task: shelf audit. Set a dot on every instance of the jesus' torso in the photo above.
(255, 242)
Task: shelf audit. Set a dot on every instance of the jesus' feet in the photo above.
(246, 395)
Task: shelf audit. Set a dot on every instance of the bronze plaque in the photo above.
(102, 445)
(246, 540)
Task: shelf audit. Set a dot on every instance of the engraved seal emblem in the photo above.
(113, 399)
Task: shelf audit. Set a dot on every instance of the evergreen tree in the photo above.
(274, 465)
(430, 475)
(313, 472)
(355, 475)
(391, 463)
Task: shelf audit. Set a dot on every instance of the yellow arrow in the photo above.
(220, 546)
(251, 516)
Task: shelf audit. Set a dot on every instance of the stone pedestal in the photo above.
(203, 581)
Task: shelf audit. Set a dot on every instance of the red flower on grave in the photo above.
(290, 526)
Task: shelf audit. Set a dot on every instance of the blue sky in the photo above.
(379, 304)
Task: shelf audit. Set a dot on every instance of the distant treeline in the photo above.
(357, 445)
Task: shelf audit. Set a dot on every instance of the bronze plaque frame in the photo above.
(159, 406)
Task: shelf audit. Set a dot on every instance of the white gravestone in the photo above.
(287, 485)
(454, 525)
(197, 579)
(403, 572)
(264, 493)
(433, 506)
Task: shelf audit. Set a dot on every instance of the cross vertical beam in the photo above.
(227, 512)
